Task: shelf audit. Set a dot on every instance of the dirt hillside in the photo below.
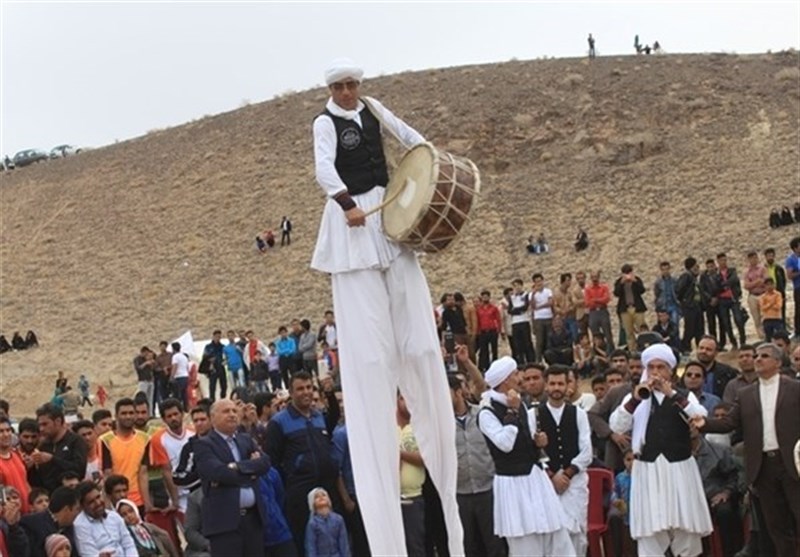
(657, 157)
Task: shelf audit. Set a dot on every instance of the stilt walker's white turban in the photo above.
(342, 68)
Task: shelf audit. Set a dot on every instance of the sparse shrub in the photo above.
(696, 104)
(573, 79)
(788, 74)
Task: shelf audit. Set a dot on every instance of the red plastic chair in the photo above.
(601, 484)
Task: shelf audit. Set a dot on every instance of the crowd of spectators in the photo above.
(258, 463)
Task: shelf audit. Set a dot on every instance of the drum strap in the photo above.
(368, 101)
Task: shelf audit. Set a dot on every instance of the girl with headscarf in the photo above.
(668, 507)
(150, 540)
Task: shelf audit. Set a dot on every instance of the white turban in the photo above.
(661, 352)
(500, 370)
(342, 68)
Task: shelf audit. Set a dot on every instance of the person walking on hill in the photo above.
(591, 46)
(385, 327)
(286, 231)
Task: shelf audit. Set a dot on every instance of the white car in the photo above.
(61, 151)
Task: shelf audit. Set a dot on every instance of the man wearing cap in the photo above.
(527, 511)
(385, 328)
(668, 507)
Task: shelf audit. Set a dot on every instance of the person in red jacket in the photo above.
(489, 327)
(597, 296)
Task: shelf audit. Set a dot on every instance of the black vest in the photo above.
(518, 462)
(562, 439)
(360, 161)
(667, 432)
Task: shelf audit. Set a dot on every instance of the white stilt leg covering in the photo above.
(387, 338)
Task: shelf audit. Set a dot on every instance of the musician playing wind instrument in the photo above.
(386, 331)
(668, 507)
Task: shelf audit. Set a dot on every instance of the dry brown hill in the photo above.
(658, 157)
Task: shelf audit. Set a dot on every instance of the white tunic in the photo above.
(665, 495)
(341, 248)
(523, 505)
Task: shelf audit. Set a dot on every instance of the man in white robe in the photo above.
(668, 507)
(527, 511)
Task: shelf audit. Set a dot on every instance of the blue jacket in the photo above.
(270, 491)
(341, 454)
(301, 448)
(286, 346)
(326, 536)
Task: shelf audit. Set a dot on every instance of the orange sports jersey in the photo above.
(124, 456)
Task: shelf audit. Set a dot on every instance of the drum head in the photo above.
(416, 175)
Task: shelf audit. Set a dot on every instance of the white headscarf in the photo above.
(641, 415)
(342, 68)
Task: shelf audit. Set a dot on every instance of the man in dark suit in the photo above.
(229, 465)
(768, 417)
(57, 519)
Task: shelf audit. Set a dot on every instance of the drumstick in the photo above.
(388, 199)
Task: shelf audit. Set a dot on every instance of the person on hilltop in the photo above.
(591, 46)
(581, 240)
(379, 346)
(286, 231)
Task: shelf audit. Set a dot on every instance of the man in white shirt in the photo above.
(569, 448)
(179, 374)
(100, 532)
(518, 303)
(542, 310)
(385, 328)
(767, 415)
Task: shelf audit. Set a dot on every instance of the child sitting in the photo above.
(326, 535)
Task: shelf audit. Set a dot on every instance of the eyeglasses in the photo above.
(349, 85)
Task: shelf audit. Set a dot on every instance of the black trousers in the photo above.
(779, 495)
(477, 517)
(487, 349)
(693, 327)
(414, 525)
(523, 344)
(358, 534)
(726, 517)
(286, 364)
(286, 238)
(796, 296)
(712, 316)
(246, 541)
(214, 378)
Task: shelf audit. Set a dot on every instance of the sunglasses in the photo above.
(695, 375)
(349, 85)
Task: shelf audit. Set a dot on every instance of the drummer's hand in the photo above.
(355, 217)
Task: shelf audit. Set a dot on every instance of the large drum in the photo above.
(429, 198)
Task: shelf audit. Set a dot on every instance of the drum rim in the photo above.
(434, 174)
